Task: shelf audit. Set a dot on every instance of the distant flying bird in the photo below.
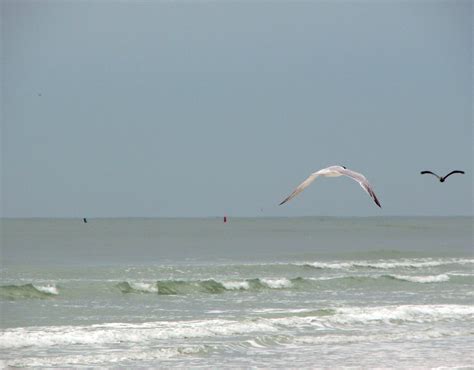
(335, 171)
(84, 220)
(441, 178)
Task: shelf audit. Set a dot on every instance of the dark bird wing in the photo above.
(457, 171)
(431, 173)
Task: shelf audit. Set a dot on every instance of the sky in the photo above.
(212, 108)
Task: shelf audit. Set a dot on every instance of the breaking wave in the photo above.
(163, 331)
(421, 279)
(111, 358)
(137, 287)
(168, 287)
(217, 286)
(212, 286)
(12, 292)
(414, 263)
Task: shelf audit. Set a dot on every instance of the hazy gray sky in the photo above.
(162, 108)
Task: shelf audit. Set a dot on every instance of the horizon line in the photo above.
(220, 217)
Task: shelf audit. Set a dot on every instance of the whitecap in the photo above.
(277, 283)
(236, 285)
(412, 313)
(422, 279)
(144, 287)
(401, 263)
(331, 265)
(125, 332)
(159, 331)
(48, 289)
(350, 316)
(389, 264)
(113, 357)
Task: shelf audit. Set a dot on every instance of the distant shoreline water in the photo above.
(231, 217)
(254, 292)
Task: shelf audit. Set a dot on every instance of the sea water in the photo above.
(278, 292)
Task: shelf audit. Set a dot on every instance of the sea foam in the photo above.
(236, 285)
(413, 263)
(113, 357)
(422, 279)
(124, 332)
(48, 289)
(137, 287)
(277, 283)
(157, 332)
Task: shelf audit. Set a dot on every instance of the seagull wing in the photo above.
(431, 173)
(301, 187)
(449, 174)
(363, 182)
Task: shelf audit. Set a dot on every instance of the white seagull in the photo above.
(335, 171)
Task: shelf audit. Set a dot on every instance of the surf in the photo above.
(25, 291)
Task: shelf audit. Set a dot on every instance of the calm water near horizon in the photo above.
(252, 292)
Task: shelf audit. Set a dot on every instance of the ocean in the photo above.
(311, 292)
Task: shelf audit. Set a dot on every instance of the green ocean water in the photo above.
(278, 292)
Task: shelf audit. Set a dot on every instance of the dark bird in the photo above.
(442, 178)
(85, 220)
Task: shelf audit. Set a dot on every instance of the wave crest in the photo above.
(414, 263)
(421, 279)
(268, 323)
(172, 287)
(13, 292)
